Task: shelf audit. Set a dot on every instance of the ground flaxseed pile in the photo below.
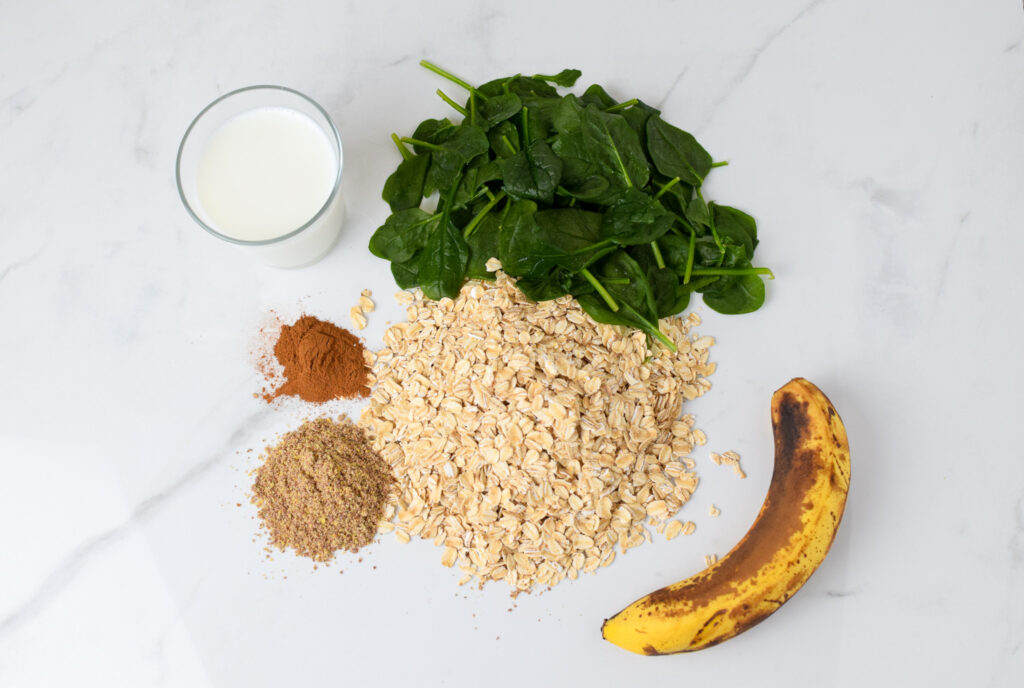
(529, 441)
(321, 489)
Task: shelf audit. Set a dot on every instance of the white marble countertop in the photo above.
(880, 145)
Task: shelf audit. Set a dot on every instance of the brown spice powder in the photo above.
(321, 362)
(321, 489)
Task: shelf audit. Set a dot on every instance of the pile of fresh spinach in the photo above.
(580, 195)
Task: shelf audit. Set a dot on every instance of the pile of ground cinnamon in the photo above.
(322, 489)
(321, 362)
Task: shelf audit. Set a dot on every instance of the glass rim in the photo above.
(306, 225)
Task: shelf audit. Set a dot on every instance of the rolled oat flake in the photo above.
(322, 489)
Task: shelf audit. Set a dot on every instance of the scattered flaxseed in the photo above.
(321, 489)
(529, 441)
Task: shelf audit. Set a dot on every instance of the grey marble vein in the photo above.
(22, 100)
(20, 263)
(948, 254)
(671, 88)
(68, 569)
(755, 56)
(160, 647)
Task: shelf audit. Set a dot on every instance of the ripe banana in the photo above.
(788, 540)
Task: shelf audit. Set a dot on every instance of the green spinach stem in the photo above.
(720, 163)
(664, 340)
(448, 75)
(669, 185)
(509, 144)
(401, 148)
(608, 299)
(417, 142)
(689, 258)
(733, 271)
(657, 254)
(714, 232)
(651, 328)
(622, 106)
(475, 222)
(458, 108)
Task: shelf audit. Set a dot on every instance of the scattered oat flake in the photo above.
(710, 559)
(357, 317)
(714, 510)
(366, 304)
(729, 458)
(673, 529)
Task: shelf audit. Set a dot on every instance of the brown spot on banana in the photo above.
(786, 543)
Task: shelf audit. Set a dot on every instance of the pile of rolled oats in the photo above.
(529, 441)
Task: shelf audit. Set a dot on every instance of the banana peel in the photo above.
(786, 543)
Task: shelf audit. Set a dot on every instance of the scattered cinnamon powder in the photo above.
(321, 361)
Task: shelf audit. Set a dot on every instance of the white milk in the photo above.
(265, 173)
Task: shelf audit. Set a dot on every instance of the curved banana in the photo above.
(788, 540)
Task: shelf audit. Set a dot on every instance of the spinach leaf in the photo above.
(566, 77)
(404, 188)
(431, 131)
(504, 140)
(533, 173)
(406, 274)
(674, 195)
(513, 236)
(550, 286)
(471, 187)
(636, 292)
(449, 157)
(697, 212)
(568, 115)
(637, 115)
(499, 108)
(669, 295)
(601, 154)
(614, 147)
(534, 243)
(522, 86)
(483, 245)
(734, 295)
(675, 153)
(735, 225)
(635, 218)
(674, 250)
(596, 95)
(402, 235)
(442, 264)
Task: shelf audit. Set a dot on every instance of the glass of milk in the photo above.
(260, 167)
